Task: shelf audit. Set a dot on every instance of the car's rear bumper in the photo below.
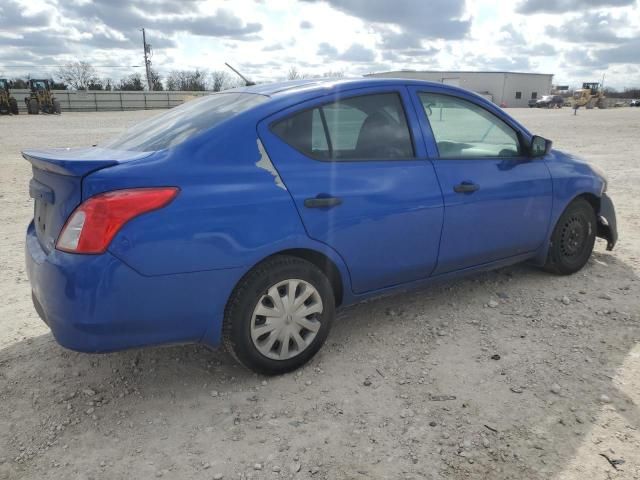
(97, 303)
(607, 226)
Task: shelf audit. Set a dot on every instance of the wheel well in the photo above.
(593, 201)
(325, 264)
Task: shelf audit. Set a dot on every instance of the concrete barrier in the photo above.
(101, 101)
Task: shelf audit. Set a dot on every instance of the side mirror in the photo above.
(539, 146)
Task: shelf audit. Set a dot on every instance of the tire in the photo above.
(573, 238)
(13, 106)
(56, 107)
(33, 107)
(264, 352)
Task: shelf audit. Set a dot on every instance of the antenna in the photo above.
(247, 82)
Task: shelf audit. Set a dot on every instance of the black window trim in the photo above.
(319, 106)
(524, 148)
(325, 127)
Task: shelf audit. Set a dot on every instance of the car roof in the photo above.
(311, 85)
(285, 94)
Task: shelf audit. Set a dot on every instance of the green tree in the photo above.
(132, 82)
(18, 83)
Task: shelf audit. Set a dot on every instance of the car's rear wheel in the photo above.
(279, 315)
(573, 238)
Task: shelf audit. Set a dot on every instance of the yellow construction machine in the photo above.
(589, 96)
(41, 98)
(8, 104)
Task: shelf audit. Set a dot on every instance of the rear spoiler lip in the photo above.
(78, 162)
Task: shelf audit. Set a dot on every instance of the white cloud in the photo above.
(577, 40)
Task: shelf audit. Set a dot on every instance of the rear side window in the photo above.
(367, 127)
(183, 122)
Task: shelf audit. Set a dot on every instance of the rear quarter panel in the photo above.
(231, 210)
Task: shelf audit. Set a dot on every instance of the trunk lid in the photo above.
(56, 186)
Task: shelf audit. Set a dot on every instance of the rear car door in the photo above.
(360, 182)
(497, 199)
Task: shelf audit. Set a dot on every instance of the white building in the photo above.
(510, 89)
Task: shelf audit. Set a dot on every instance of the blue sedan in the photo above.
(247, 217)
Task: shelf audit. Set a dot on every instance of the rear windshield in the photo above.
(183, 122)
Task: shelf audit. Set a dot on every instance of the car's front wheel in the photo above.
(279, 315)
(573, 238)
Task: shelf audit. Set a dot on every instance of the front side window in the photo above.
(463, 129)
(367, 127)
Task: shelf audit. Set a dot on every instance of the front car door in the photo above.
(360, 182)
(497, 199)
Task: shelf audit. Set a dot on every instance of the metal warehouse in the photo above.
(511, 89)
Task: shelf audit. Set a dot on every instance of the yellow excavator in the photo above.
(589, 96)
(8, 104)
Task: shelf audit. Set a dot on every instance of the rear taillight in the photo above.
(92, 225)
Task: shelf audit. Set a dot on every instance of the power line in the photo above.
(64, 65)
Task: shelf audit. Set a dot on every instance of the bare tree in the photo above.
(78, 75)
(220, 80)
(156, 80)
(334, 74)
(293, 74)
(187, 80)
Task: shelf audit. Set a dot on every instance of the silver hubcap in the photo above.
(285, 320)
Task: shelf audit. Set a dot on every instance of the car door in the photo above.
(497, 200)
(360, 182)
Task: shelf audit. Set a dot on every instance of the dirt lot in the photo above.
(409, 386)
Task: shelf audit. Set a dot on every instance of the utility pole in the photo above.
(147, 59)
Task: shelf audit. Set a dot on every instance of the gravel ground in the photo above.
(513, 374)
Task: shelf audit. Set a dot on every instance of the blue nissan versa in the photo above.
(247, 217)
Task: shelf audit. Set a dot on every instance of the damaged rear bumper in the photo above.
(607, 227)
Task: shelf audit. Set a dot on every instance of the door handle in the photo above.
(466, 187)
(322, 202)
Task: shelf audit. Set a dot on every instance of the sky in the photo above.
(576, 40)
